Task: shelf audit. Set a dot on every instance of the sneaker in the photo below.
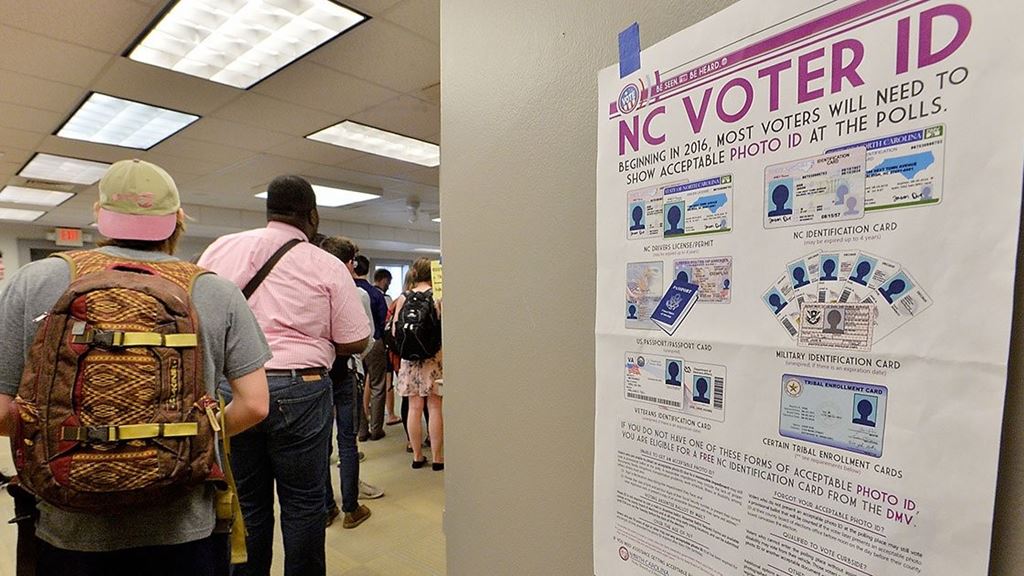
(353, 519)
(333, 513)
(369, 491)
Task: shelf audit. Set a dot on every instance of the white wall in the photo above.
(519, 118)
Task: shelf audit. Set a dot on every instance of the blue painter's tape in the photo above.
(629, 50)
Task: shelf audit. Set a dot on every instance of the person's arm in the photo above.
(250, 402)
(6, 413)
(351, 328)
(350, 348)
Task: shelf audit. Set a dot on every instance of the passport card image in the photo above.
(704, 391)
(713, 275)
(833, 270)
(644, 286)
(905, 169)
(701, 207)
(784, 303)
(643, 214)
(654, 379)
(825, 188)
(837, 326)
(836, 413)
(897, 300)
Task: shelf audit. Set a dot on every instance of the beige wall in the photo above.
(519, 121)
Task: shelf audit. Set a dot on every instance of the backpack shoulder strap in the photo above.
(263, 272)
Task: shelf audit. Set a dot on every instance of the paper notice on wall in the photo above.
(819, 201)
(436, 278)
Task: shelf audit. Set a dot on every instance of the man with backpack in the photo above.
(124, 467)
(371, 420)
(310, 311)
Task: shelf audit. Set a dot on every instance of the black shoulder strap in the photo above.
(263, 272)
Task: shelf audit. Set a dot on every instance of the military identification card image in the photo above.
(701, 207)
(836, 413)
(904, 170)
(655, 379)
(644, 286)
(643, 214)
(704, 390)
(713, 275)
(837, 326)
(825, 188)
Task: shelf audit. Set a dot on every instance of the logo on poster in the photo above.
(623, 553)
(629, 98)
(794, 388)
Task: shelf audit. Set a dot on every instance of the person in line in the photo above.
(417, 380)
(139, 213)
(345, 392)
(310, 311)
(396, 361)
(382, 282)
(371, 422)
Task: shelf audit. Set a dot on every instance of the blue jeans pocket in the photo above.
(306, 414)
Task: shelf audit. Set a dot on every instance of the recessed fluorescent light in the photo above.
(109, 120)
(349, 134)
(334, 197)
(33, 196)
(241, 42)
(19, 214)
(64, 169)
(432, 250)
(438, 219)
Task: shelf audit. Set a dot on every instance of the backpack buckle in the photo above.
(107, 339)
(100, 433)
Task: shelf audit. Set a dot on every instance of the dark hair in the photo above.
(289, 196)
(421, 270)
(381, 274)
(362, 267)
(340, 247)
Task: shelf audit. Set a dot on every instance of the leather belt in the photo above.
(296, 372)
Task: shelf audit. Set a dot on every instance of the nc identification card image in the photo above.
(643, 214)
(836, 413)
(826, 188)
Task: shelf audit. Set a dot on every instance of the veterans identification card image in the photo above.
(655, 379)
(713, 275)
(836, 413)
(643, 213)
(704, 390)
(837, 326)
(701, 207)
(644, 286)
(905, 169)
(825, 188)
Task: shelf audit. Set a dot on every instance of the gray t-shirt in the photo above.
(233, 346)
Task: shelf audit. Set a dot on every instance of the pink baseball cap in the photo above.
(138, 201)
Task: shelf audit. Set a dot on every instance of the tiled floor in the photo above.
(403, 537)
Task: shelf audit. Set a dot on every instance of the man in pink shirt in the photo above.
(310, 312)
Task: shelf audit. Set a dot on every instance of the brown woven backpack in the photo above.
(112, 412)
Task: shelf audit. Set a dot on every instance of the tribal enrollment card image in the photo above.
(713, 275)
(825, 188)
(905, 169)
(644, 286)
(701, 207)
(655, 379)
(643, 213)
(837, 326)
(845, 415)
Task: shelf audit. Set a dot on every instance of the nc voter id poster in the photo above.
(813, 209)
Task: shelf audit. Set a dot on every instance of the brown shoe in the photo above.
(353, 519)
(376, 435)
(333, 513)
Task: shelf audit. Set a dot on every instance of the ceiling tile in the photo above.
(431, 93)
(421, 16)
(310, 84)
(43, 57)
(161, 87)
(16, 156)
(219, 131)
(177, 165)
(198, 150)
(374, 164)
(404, 115)
(107, 25)
(234, 187)
(86, 150)
(34, 92)
(310, 151)
(30, 119)
(275, 115)
(428, 176)
(372, 7)
(20, 139)
(386, 54)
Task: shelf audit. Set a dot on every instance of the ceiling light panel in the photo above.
(329, 197)
(372, 140)
(33, 196)
(20, 215)
(64, 169)
(240, 42)
(109, 120)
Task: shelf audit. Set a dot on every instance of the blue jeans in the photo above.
(288, 449)
(345, 408)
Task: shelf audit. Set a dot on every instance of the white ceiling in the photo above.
(385, 73)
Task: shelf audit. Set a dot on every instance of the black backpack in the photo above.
(418, 327)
